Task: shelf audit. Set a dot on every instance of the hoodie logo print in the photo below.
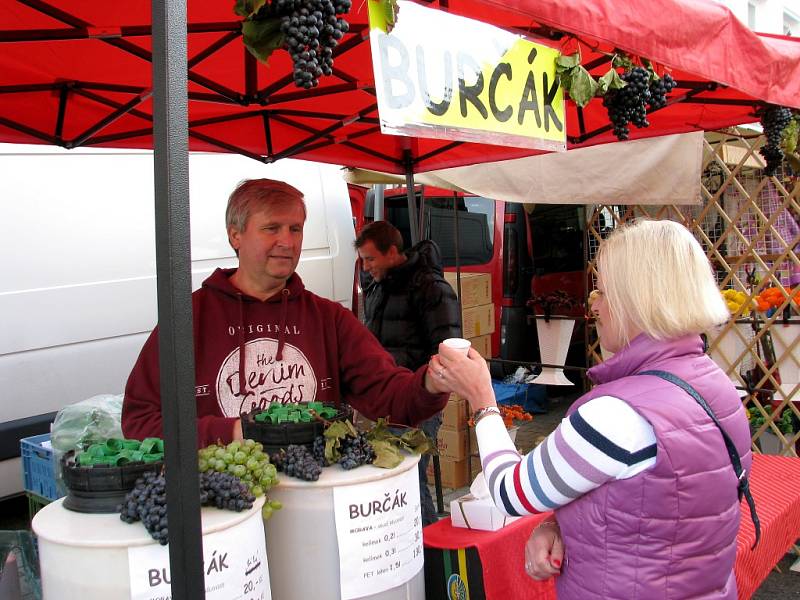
(266, 379)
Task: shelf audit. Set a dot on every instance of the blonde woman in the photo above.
(641, 483)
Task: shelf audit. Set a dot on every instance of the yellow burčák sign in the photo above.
(443, 76)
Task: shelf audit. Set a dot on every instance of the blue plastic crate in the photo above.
(39, 467)
(531, 397)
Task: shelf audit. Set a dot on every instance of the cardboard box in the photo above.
(473, 439)
(455, 413)
(483, 344)
(452, 443)
(478, 513)
(476, 288)
(455, 473)
(477, 321)
(475, 466)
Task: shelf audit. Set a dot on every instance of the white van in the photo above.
(77, 267)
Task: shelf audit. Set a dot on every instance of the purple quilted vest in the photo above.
(670, 531)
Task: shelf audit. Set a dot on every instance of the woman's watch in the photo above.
(483, 412)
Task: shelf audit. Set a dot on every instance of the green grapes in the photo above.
(247, 461)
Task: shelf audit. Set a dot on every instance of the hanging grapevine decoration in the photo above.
(775, 121)
(307, 29)
(626, 97)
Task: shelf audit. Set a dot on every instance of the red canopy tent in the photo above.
(78, 73)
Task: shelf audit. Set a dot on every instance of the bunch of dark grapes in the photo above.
(147, 501)
(659, 90)
(774, 120)
(628, 104)
(224, 490)
(318, 450)
(311, 31)
(297, 461)
(356, 451)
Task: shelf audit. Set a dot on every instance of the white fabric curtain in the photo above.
(659, 170)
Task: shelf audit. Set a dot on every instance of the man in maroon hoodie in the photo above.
(261, 337)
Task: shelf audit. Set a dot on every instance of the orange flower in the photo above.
(510, 413)
(771, 297)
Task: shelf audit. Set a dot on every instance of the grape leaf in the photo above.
(582, 87)
(610, 81)
(340, 429)
(566, 63)
(245, 8)
(332, 453)
(417, 442)
(790, 135)
(387, 456)
(380, 431)
(622, 60)
(262, 37)
(794, 162)
(391, 9)
(565, 78)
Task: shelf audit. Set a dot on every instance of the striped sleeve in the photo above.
(604, 439)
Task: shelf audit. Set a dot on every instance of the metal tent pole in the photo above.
(173, 268)
(412, 213)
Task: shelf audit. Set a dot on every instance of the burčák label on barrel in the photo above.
(379, 531)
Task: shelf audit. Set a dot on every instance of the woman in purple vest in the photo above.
(638, 476)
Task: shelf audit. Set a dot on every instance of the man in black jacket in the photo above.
(410, 308)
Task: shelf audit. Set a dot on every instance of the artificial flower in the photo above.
(737, 302)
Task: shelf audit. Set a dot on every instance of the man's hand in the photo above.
(544, 551)
(434, 384)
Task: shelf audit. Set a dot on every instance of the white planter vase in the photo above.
(788, 360)
(554, 337)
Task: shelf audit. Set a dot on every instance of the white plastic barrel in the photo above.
(98, 557)
(303, 544)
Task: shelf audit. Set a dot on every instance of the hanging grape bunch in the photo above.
(307, 29)
(659, 90)
(628, 104)
(774, 120)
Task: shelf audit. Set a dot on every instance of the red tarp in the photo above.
(69, 69)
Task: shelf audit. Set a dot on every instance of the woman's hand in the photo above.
(468, 376)
(544, 551)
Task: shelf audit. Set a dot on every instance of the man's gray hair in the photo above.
(254, 195)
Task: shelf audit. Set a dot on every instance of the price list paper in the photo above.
(234, 565)
(379, 530)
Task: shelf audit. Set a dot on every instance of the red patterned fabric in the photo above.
(773, 480)
(502, 555)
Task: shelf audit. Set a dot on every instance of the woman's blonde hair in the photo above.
(657, 279)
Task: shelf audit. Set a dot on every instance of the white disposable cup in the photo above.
(459, 344)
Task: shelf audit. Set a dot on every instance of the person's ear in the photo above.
(234, 238)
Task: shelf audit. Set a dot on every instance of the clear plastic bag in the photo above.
(83, 423)
(89, 421)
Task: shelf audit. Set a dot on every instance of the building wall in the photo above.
(768, 16)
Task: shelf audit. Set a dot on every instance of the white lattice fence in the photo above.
(749, 226)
